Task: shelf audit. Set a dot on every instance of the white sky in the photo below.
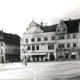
(15, 15)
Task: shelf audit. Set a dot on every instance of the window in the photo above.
(64, 29)
(33, 47)
(51, 46)
(32, 40)
(62, 45)
(59, 46)
(26, 40)
(74, 35)
(28, 47)
(59, 37)
(68, 36)
(62, 36)
(74, 45)
(43, 47)
(45, 38)
(53, 38)
(37, 47)
(39, 39)
(68, 44)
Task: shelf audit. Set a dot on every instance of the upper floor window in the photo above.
(74, 35)
(45, 38)
(64, 29)
(37, 47)
(68, 36)
(62, 45)
(26, 40)
(33, 47)
(38, 39)
(32, 40)
(62, 36)
(68, 44)
(28, 47)
(51, 46)
(59, 45)
(74, 44)
(53, 38)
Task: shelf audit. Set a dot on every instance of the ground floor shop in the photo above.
(12, 57)
(68, 55)
(9, 58)
(36, 57)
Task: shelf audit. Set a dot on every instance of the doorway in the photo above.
(66, 56)
(73, 55)
(52, 57)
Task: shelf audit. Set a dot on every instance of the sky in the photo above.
(16, 15)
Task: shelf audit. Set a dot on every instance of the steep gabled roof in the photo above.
(51, 28)
(72, 25)
(8, 38)
(12, 39)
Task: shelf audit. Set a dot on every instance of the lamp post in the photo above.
(25, 51)
(24, 58)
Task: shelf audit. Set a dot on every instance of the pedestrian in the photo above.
(25, 61)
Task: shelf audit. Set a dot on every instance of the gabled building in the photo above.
(55, 42)
(68, 40)
(38, 42)
(9, 47)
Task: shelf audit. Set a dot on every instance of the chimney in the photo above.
(41, 23)
(69, 19)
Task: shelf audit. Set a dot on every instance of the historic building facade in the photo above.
(9, 47)
(55, 42)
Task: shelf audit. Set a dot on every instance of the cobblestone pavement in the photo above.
(61, 70)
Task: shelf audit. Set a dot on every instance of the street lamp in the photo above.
(25, 51)
(24, 58)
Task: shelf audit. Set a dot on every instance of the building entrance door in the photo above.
(2, 59)
(52, 57)
(73, 55)
(66, 56)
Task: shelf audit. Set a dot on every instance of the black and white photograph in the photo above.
(39, 39)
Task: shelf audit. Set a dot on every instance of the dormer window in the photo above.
(64, 29)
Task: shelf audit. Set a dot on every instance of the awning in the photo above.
(73, 53)
(37, 54)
